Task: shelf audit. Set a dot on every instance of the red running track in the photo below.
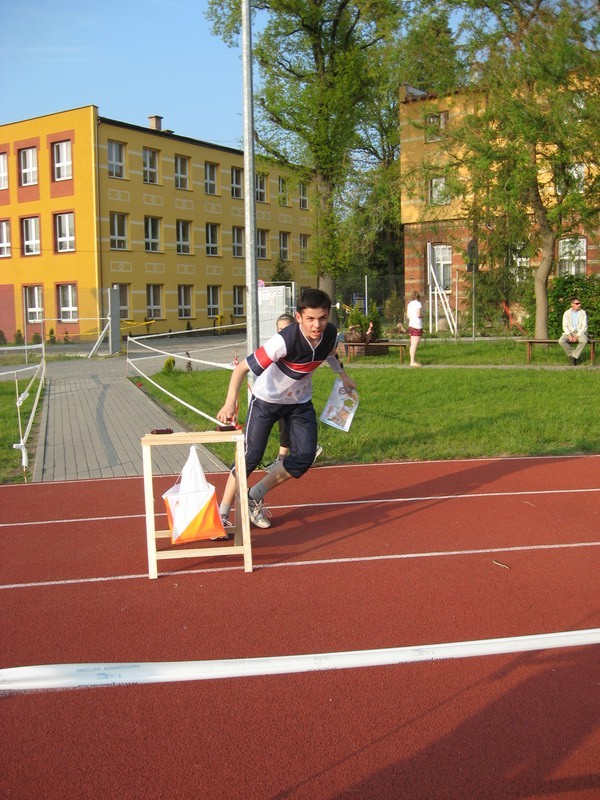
(359, 557)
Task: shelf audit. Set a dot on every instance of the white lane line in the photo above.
(312, 563)
(327, 504)
(69, 676)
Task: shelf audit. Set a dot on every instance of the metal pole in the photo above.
(252, 333)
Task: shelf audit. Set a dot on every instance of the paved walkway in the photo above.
(93, 418)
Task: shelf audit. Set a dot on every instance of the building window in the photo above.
(183, 230)
(34, 303)
(118, 231)
(438, 195)
(304, 239)
(150, 165)
(237, 237)
(261, 187)
(67, 302)
(30, 236)
(284, 199)
(5, 245)
(153, 300)
(237, 180)
(3, 171)
(184, 301)
(239, 293)
(284, 246)
(64, 233)
(262, 239)
(62, 161)
(210, 178)
(182, 170)
(303, 195)
(435, 125)
(572, 256)
(28, 166)
(441, 263)
(212, 239)
(116, 160)
(123, 300)
(152, 234)
(518, 263)
(212, 300)
(573, 180)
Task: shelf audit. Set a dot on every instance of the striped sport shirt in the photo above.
(284, 365)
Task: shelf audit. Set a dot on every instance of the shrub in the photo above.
(2, 338)
(36, 338)
(18, 337)
(51, 336)
(169, 365)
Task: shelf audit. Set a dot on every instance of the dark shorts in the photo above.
(301, 424)
(415, 331)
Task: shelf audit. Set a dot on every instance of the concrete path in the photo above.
(93, 418)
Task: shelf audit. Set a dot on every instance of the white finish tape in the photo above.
(68, 676)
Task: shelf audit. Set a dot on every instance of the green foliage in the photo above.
(36, 338)
(560, 290)
(282, 273)
(169, 365)
(66, 339)
(19, 337)
(393, 308)
(51, 336)
(356, 318)
(2, 338)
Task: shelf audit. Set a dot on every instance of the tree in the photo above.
(314, 59)
(524, 156)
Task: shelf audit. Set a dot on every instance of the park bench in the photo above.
(349, 349)
(530, 343)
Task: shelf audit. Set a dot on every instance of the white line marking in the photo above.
(68, 676)
(312, 563)
(326, 504)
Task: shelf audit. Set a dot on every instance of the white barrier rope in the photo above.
(69, 676)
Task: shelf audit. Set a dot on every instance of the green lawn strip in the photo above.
(11, 470)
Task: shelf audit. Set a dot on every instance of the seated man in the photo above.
(574, 337)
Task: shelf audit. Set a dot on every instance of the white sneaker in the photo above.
(258, 513)
(226, 523)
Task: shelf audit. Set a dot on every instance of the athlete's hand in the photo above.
(227, 414)
(348, 382)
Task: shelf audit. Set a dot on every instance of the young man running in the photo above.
(282, 389)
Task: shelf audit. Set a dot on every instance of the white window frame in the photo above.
(150, 165)
(183, 237)
(237, 183)
(64, 232)
(118, 230)
(28, 166)
(239, 304)
(435, 125)
(34, 303)
(30, 236)
(237, 241)
(154, 300)
(123, 300)
(441, 262)
(284, 245)
(210, 177)
(185, 293)
(62, 160)
(182, 172)
(572, 255)
(66, 294)
(3, 170)
(212, 238)
(437, 195)
(212, 301)
(283, 191)
(152, 234)
(262, 243)
(304, 245)
(116, 159)
(261, 187)
(303, 196)
(5, 243)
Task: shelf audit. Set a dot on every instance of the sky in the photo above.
(130, 58)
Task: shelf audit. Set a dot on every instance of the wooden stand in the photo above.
(241, 530)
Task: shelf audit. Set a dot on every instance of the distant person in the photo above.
(414, 312)
(575, 327)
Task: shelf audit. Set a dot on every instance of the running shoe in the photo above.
(318, 453)
(259, 515)
(227, 523)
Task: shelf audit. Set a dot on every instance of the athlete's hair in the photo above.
(286, 318)
(313, 298)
